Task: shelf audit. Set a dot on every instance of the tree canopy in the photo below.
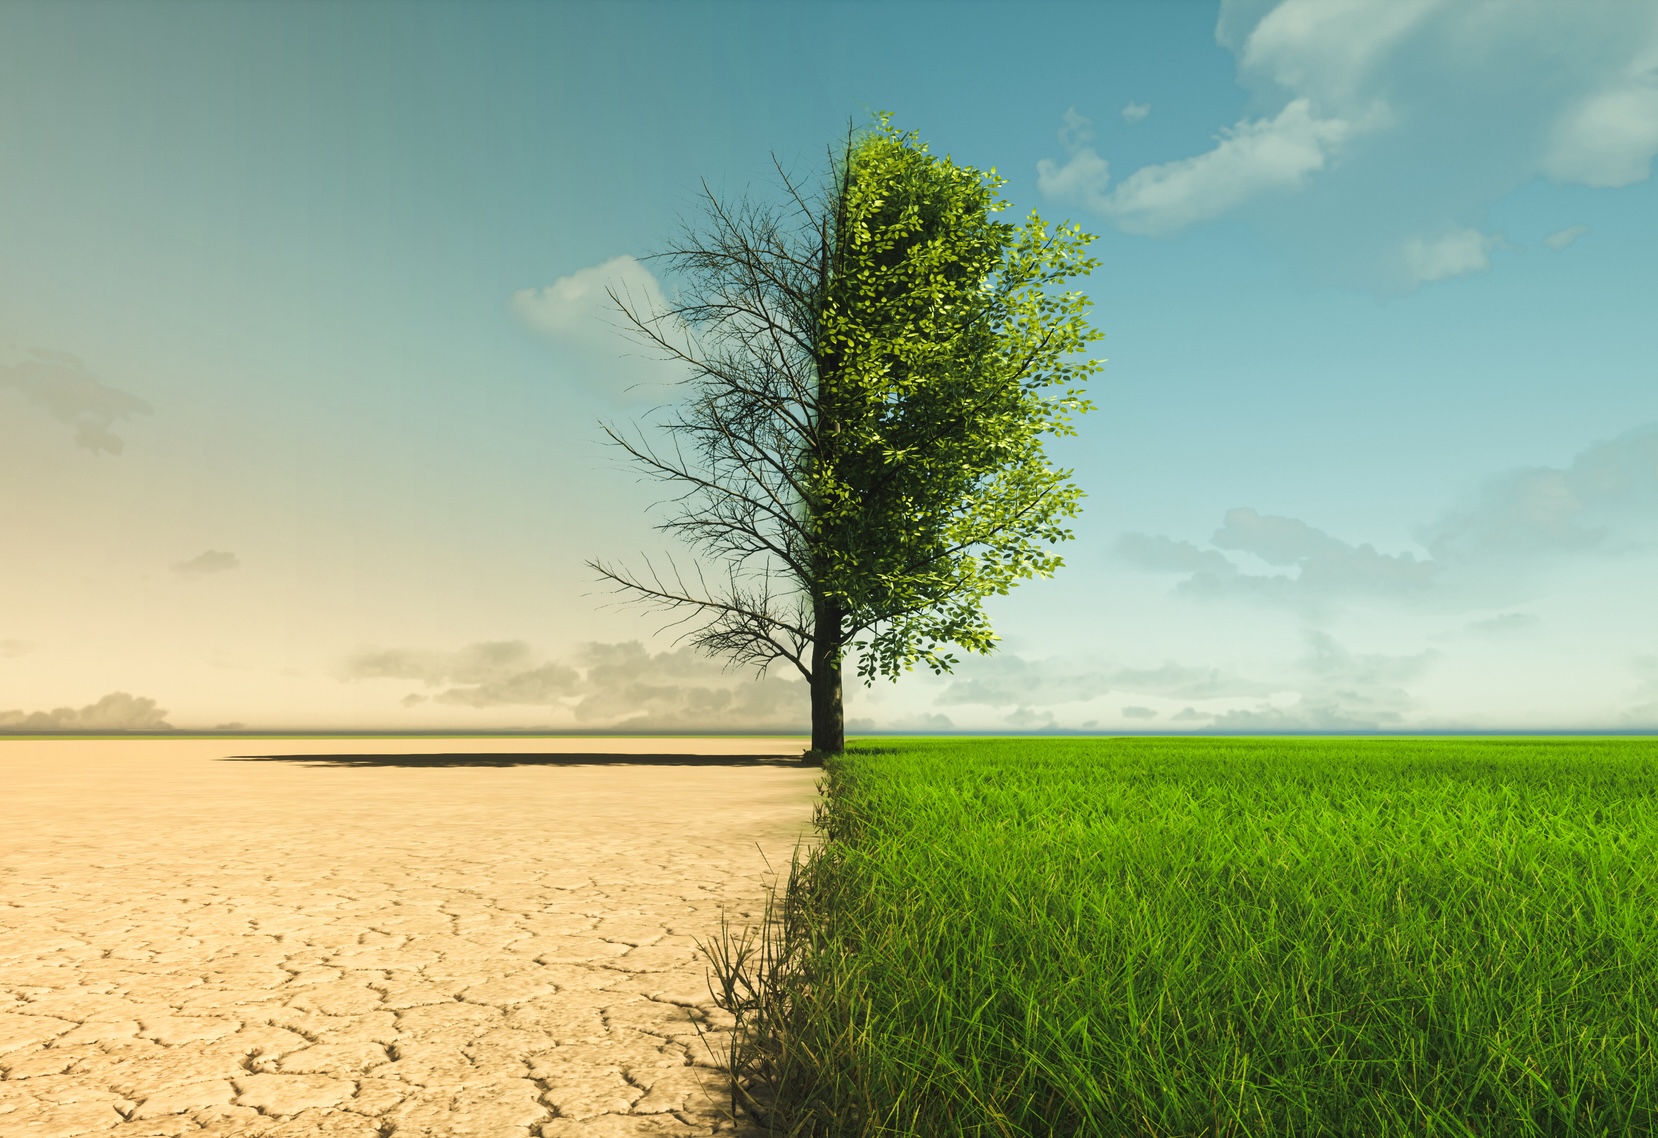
(872, 375)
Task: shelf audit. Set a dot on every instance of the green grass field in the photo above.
(1219, 937)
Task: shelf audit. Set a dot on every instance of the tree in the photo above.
(861, 444)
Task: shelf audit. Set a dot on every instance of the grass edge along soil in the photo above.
(1211, 937)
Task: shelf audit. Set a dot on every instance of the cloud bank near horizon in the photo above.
(1328, 687)
(614, 686)
(117, 711)
(1487, 551)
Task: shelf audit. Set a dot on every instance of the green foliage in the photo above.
(1159, 937)
(869, 388)
(944, 358)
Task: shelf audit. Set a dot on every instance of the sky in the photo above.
(304, 352)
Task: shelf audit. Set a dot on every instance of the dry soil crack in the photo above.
(190, 945)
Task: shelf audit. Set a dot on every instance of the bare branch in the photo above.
(742, 626)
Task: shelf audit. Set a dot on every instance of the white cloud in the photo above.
(579, 306)
(59, 384)
(1596, 123)
(1565, 238)
(117, 711)
(1081, 181)
(1331, 49)
(1254, 157)
(1605, 502)
(608, 353)
(1334, 664)
(1325, 567)
(1326, 564)
(1078, 130)
(1391, 126)
(1454, 254)
(1136, 113)
(1609, 138)
(203, 564)
(1610, 488)
(1327, 686)
(1338, 690)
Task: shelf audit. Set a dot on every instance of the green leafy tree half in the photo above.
(872, 375)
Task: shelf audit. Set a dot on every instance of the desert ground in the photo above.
(373, 937)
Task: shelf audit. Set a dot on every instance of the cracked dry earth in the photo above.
(371, 946)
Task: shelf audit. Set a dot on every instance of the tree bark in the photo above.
(828, 714)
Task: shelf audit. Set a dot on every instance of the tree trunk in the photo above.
(828, 715)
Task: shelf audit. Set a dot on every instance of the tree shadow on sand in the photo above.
(527, 759)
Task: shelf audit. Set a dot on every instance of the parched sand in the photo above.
(385, 942)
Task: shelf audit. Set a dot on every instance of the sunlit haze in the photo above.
(305, 347)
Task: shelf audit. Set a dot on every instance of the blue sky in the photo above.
(301, 369)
